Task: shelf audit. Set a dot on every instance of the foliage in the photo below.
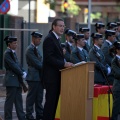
(96, 15)
(73, 8)
(52, 3)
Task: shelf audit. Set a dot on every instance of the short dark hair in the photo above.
(55, 22)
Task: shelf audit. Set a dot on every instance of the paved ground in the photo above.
(2, 100)
(14, 113)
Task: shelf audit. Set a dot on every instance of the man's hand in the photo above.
(68, 64)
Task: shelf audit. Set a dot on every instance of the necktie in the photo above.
(15, 56)
(59, 41)
(35, 51)
(84, 54)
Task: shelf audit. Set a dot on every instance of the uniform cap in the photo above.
(118, 23)
(36, 34)
(96, 35)
(110, 32)
(84, 29)
(117, 45)
(112, 25)
(10, 39)
(78, 36)
(99, 25)
(69, 32)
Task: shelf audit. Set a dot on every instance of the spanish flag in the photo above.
(100, 103)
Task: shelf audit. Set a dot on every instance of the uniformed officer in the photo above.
(79, 54)
(86, 32)
(116, 85)
(112, 26)
(102, 69)
(35, 87)
(13, 78)
(108, 53)
(118, 31)
(108, 43)
(68, 44)
(100, 27)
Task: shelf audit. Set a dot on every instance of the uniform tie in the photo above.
(35, 51)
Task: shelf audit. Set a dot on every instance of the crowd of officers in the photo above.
(104, 50)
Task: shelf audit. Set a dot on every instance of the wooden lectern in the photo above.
(77, 84)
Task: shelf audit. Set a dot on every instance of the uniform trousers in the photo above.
(13, 96)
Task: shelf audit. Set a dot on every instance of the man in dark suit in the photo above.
(96, 54)
(53, 62)
(86, 32)
(79, 54)
(13, 78)
(35, 91)
(68, 44)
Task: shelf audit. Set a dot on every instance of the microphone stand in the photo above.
(109, 91)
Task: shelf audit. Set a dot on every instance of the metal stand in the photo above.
(109, 91)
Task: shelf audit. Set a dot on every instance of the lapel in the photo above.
(87, 47)
(13, 55)
(82, 55)
(56, 43)
(80, 52)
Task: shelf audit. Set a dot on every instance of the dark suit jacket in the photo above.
(116, 72)
(53, 59)
(34, 64)
(13, 70)
(99, 65)
(78, 56)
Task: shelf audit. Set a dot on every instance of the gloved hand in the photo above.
(109, 70)
(24, 75)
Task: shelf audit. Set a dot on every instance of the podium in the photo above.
(77, 85)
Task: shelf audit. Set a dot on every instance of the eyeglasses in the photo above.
(61, 26)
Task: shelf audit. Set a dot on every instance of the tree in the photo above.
(73, 8)
(52, 3)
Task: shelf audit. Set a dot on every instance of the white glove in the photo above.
(109, 70)
(24, 75)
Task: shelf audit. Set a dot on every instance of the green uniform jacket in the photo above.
(34, 64)
(68, 52)
(108, 56)
(78, 55)
(13, 69)
(99, 65)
